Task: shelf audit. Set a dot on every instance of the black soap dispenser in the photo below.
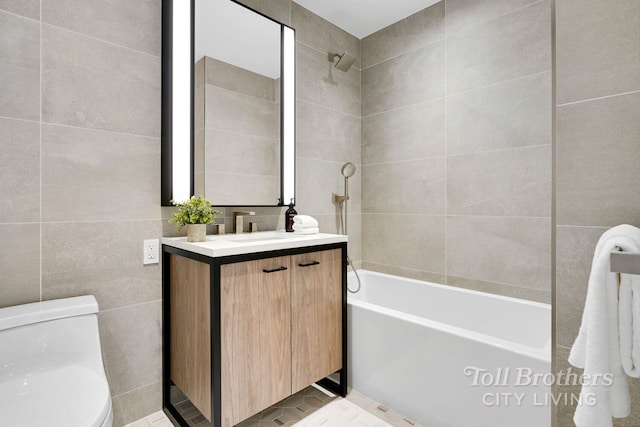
(288, 217)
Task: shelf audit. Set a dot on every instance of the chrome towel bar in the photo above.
(625, 262)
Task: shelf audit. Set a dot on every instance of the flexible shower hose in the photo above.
(343, 221)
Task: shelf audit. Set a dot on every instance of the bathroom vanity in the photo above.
(250, 319)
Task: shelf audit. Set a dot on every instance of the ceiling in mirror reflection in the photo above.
(254, 45)
(364, 17)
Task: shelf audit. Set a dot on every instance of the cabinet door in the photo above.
(255, 301)
(316, 316)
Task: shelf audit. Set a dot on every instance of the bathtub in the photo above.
(450, 357)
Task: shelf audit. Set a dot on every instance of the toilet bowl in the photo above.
(51, 371)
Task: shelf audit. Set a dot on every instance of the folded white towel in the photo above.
(597, 347)
(307, 230)
(303, 227)
(305, 220)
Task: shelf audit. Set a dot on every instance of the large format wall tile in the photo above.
(414, 77)
(408, 187)
(468, 13)
(236, 79)
(94, 84)
(408, 133)
(564, 412)
(136, 404)
(19, 263)
(503, 289)
(394, 270)
(241, 153)
(406, 241)
(316, 183)
(415, 31)
(598, 156)
(508, 115)
(243, 189)
(514, 182)
(19, 67)
(90, 175)
(505, 250)
(28, 8)
(319, 82)
(326, 134)
(332, 224)
(574, 254)
(137, 25)
(99, 258)
(597, 48)
(131, 340)
(20, 166)
(318, 33)
(239, 113)
(512, 46)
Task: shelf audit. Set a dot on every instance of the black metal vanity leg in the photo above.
(216, 348)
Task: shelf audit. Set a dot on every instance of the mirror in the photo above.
(228, 105)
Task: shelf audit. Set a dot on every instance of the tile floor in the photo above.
(299, 409)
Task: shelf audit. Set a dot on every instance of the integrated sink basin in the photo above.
(261, 241)
(256, 239)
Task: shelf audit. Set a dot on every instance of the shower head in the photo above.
(348, 170)
(345, 61)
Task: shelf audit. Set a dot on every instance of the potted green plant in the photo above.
(195, 213)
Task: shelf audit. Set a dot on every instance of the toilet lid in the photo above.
(64, 397)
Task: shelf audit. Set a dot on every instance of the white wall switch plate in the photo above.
(150, 251)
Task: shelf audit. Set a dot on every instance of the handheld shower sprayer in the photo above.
(347, 170)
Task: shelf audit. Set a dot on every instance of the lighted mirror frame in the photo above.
(177, 164)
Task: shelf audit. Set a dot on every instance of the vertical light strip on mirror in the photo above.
(289, 113)
(181, 94)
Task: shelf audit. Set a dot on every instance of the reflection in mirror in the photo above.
(236, 105)
(241, 132)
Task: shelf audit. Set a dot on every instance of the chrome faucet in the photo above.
(238, 220)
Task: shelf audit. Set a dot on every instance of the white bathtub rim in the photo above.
(457, 289)
(541, 354)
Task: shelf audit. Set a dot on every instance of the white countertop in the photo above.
(245, 243)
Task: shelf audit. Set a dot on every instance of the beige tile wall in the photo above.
(597, 153)
(456, 146)
(240, 155)
(327, 121)
(80, 162)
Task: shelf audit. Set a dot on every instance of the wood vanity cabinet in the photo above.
(244, 332)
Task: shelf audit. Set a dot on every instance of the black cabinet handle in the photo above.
(275, 269)
(309, 264)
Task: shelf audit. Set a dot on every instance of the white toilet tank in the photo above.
(51, 371)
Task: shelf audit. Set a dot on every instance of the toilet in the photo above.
(51, 371)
